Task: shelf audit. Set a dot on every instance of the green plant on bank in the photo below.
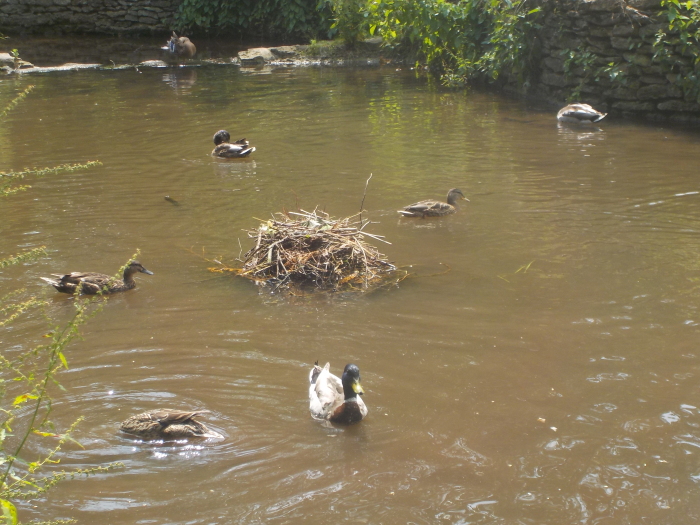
(288, 19)
(349, 20)
(460, 41)
(677, 47)
(581, 64)
(27, 378)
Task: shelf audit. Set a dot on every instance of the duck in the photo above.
(168, 424)
(579, 114)
(434, 208)
(230, 150)
(336, 400)
(90, 283)
(180, 46)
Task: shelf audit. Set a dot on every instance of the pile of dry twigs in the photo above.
(313, 248)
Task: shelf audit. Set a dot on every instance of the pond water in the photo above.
(539, 366)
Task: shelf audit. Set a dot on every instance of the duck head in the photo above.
(454, 195)
(221, 136)
(133, 267)
(351, 381)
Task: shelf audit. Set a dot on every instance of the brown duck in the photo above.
(180, 46)
(336, 400)
(230, 150)
(434, 208)
(168, 424)
(90, 283)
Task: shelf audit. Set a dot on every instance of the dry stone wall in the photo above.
(55, 17)
(602, 53)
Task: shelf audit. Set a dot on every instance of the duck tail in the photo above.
(52, 282)
(599, 117)
(316, 371)
(248, 151)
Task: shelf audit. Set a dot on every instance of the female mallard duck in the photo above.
(434, 208)
(579, 114)
(92, 283)
(230, 150)
(180, 46)
(336, 400)
(168, 424)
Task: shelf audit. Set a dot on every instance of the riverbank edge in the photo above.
(369, 53)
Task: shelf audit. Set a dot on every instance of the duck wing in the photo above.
(171, 417)
(325, 392)
(232, 150)
(89, 282)
(168, 424)
(429, 208)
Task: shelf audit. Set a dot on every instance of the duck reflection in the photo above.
(181, 79)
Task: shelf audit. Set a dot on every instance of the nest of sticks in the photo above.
(315, 249)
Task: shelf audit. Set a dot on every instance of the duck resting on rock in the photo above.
(168, 424)
(432, 208)
(230, 150)
(579, 114)
(90, 283)
(180, 46)
(336, 400)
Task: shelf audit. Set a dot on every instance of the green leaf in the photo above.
(9, 512)
(63, 359)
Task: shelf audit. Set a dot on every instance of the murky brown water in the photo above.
(549, 377)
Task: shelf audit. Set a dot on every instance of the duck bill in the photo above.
(147, 272)
(357, 388)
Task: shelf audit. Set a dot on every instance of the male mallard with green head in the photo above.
(579, 114)
(434, 208)
(336, 400)
(230, 150)
(90, 283)
(168, 424)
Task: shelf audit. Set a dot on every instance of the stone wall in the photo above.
(602, 52)
(110, 17)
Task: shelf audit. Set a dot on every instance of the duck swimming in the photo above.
(579, 114)
(230, 150)
(168, 424)
(180, 46)
(434, 208)
(90, 283)
(336, 400)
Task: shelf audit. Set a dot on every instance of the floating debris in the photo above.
(315, 249)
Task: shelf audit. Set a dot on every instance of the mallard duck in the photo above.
(434, 208)
(180, 46)
(336, 400)
(168, 424)
(230, 150)
(90, 283)
(579, 114)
